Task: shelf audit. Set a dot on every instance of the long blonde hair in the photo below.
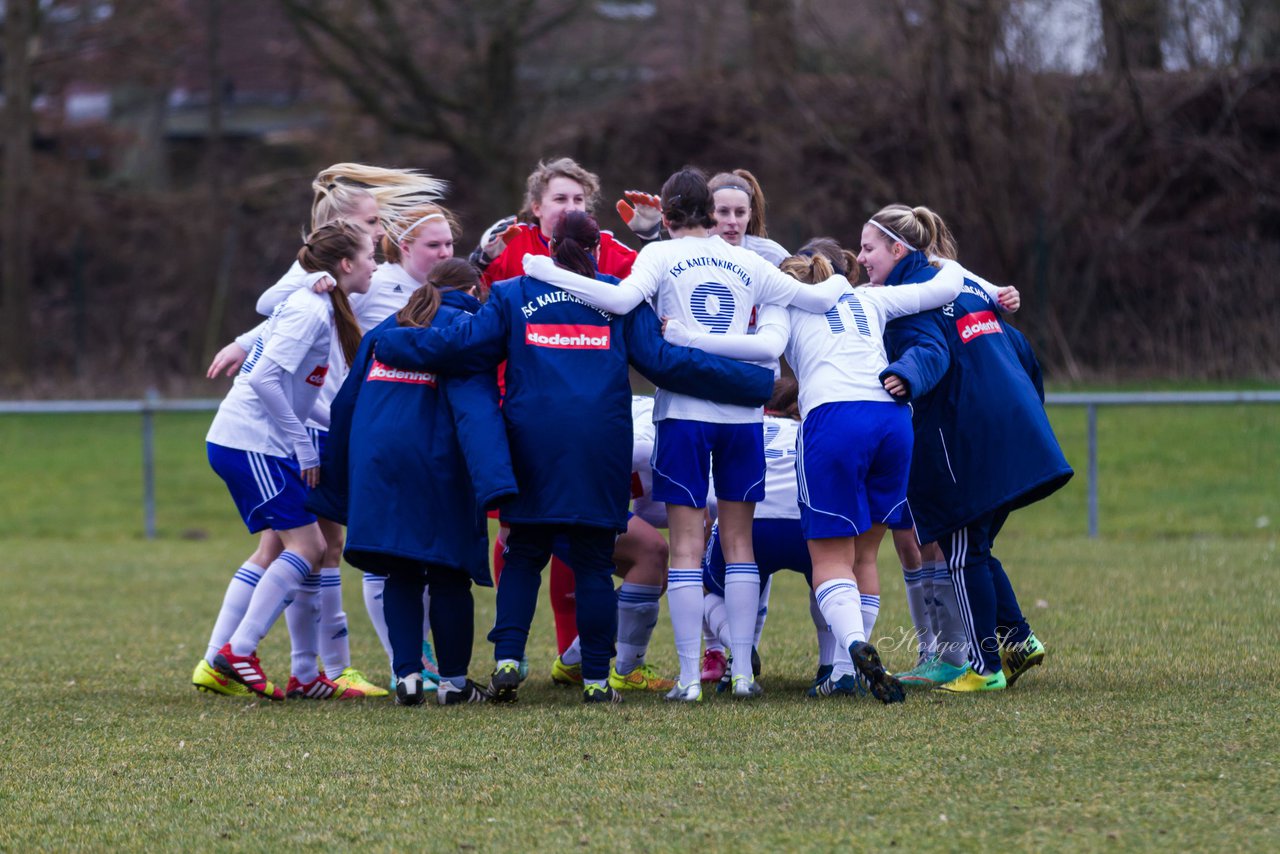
(920, 227)
(340, 188)
(404, 227)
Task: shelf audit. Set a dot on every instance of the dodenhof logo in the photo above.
(386, 373)
(976, 324)
(567, 336)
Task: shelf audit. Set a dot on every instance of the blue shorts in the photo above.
(268, 491)
(905, 521)
(852, 467)
(687, 453)
(778, 544)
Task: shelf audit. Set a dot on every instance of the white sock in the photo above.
(840, 604)
(919, 582)
(637, 616)
(372, 585)
(234, 604)
(684, 601)
(765, 590)
(870, 610)
(742, 601)
(335, 639)
(710, 638)
(279, 582)
(572, 655)
(715, 619)
(303, 619)
(826, 640)
(841, 663)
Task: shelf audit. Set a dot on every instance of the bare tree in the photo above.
(15, 231)
(452, 73)
(1133, 34)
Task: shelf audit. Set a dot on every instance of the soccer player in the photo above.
(259, 446)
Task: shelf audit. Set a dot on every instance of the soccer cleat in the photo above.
(409, 691)
(643, 678)
(882, 686)
(524, 669)
(247, 670)
(353, 680)
(685, 693)
(932, 674)
(714, 665)
(449, 694)
(912, 677)
(601, 694)
(206, 679)
(566, 674)
(973, 682)
(824, 672)
(850, 685)
(746, 688)
(320, 688)
(430, 667)
(504, 683)
(1017, 659)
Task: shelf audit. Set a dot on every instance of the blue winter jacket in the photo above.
(982, 440)
(413, 459)
(568, 396)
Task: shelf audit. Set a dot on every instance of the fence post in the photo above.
(1092, 411)
(149, 463)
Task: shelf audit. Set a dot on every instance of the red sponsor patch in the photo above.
(979, 323)
(567, 336)
(386, 373)
(317, 376)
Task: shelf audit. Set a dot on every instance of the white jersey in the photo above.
(643, 434)
(389, 291)
(298, 339)
(838, 356)
(781, 497)
(712, 287)
(770, 250)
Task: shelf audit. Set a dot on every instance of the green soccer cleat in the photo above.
(353, 681)
(972, 682)
(912, 676)
(601, 694)
(565, 674)
(643, 678)
(1017, 659)
(206, 679)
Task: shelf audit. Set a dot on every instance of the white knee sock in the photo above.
(684, 601)
(715, 620)
(335, 640)
(840, 604)
(742, 601)
(919, 583)
(870, 610)
(710, 638)
(234, 604)
(281, 580)
(826, 640)
(763, 612)
(372, 586)
(637, 616)
(573, 653)
(303, 619)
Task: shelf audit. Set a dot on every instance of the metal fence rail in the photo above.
(1091, 401)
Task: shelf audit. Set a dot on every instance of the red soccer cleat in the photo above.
(714, 665)
(246, 670)
(320, 688)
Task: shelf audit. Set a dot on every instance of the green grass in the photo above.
(1152, 723)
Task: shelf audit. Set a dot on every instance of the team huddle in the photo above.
(384, 409)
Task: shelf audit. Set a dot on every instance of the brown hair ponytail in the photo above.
(323, 252)
(451, 274)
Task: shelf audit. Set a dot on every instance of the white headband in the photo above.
(404, 235)
(897, 238)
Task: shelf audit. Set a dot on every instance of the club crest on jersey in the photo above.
(317, 376)
(386, 373)
(976, 324)
(567, 336)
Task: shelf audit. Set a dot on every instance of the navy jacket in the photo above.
(983, 443)
(568, 396)
(413, 459)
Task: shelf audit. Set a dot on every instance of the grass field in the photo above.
(1152, 725)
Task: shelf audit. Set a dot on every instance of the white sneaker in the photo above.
(745, 687)
(686, 693)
